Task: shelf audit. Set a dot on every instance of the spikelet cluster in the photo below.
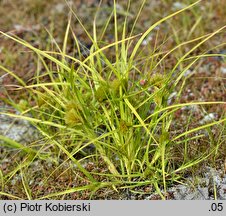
(73, 115)
(110, 89)
(158, 82)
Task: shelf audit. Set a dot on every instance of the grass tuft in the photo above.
(112, 106)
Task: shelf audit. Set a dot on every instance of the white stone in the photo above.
(207, 118)
(223, 70)
(178, 5)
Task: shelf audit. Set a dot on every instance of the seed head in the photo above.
(72, 118)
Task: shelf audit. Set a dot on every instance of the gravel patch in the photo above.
(17, 129)
(211, 185)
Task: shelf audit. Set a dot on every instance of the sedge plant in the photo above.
(105, 106)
